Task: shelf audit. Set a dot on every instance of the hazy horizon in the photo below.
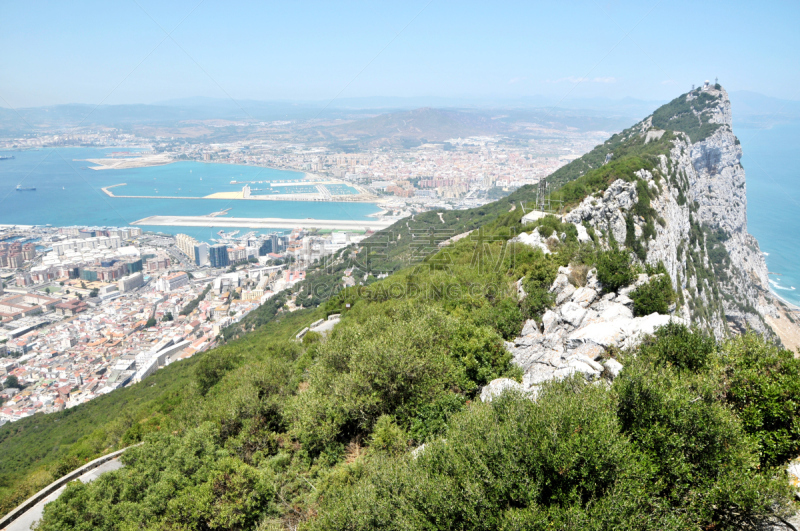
(145, 52)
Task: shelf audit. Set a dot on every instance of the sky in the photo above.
(145, 51)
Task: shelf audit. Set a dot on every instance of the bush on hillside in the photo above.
(655, 296)
(574, 459)
(614, 269)
(391, 364)
(701, 460)
(763, 387)
(676, 345)
(190, 482)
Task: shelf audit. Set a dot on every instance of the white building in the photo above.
(172, 282)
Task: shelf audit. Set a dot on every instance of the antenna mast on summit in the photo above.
(540, 196)
(543, 202)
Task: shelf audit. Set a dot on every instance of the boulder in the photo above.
(613, 367)
(560, 283)
(583, 368)
(530, 328)
(584, 297)
(572, 313)
(590, 350)
(793, 471)
(549, 321)
(499, 386)
(565, 293)
(635, 328)
(599, 333)
(615, 311)
(624, 300)
(533, 239)
(537, 375)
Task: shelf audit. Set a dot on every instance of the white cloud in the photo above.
(604, 80)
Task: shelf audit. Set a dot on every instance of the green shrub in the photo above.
(167, 483)
(701, 460)
(763, 387)
(212, 366)
(677, 345)
(391, 364)
(504, 315)
(655, 296)
(387, 437)
(614, 269)
(551, 462)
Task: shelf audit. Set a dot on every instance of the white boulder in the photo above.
(499, 386)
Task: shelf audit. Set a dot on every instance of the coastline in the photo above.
(791, 305)
(166, 158)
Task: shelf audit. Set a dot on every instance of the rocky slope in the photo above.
(685, 207)
(700, 203)
(575, 336)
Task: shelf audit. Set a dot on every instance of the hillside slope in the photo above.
(397, 418)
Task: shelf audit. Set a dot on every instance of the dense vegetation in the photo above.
(690, 116)
(274, 433)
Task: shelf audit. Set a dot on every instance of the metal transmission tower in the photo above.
(543, 201)
(540, 195)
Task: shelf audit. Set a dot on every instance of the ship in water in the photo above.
(21, 189)
(3, 157)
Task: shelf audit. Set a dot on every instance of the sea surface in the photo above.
(770, 159)
(69, 193)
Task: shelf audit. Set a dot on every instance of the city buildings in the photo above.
(172, 281)
(218, 256)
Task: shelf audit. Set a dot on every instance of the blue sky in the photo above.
(117, 52)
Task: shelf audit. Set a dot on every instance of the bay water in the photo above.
(69, 193)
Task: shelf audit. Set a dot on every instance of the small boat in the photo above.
(21, 189)
(3, 157)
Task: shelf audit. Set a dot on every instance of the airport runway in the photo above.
(266, 223)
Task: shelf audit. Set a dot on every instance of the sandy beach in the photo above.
(788, 331)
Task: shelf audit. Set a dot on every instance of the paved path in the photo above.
(24, 522)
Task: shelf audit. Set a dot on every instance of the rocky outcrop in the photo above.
(698, 189)
(608, 211)
(576, 335)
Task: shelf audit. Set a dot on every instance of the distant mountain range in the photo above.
(428, 118)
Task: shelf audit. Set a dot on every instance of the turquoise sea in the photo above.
(770, 159)
(69, 193)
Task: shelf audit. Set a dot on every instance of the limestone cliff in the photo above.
(672, 191)
(697, 194)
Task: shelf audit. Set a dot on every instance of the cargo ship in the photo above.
(21, 189)
(3, 157)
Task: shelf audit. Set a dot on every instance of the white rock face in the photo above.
(533, 239)
(497, 387)
(583, 234)
(609, 211)
(576, 333)
(708, 176)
